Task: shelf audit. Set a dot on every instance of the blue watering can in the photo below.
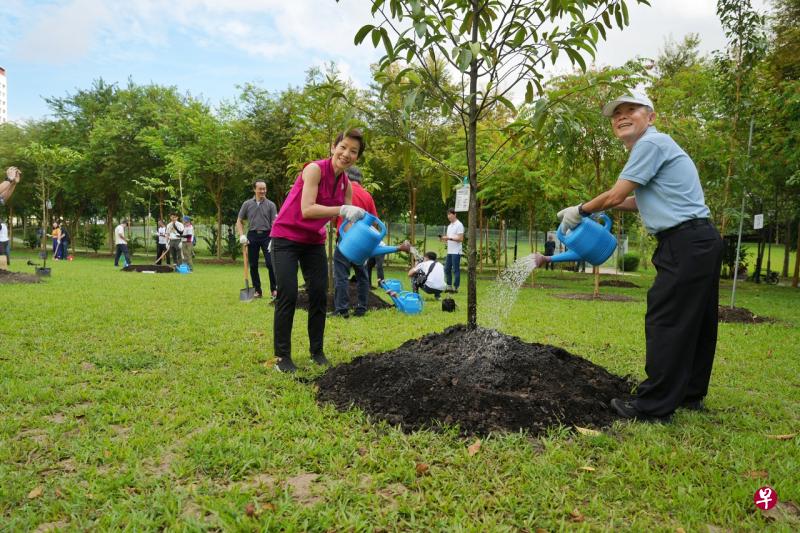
(183, 268)
(588, 241)
(362, 241)
(392, 284)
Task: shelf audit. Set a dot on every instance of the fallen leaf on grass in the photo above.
(576, 516)
(51, 526)
(588, 432)
(268, 507)
(59, 494)
(680, 530)
(422, 469)
(250, 509)
(362, 451)
(756, 474)
(35, 493)
(788, 436)
(474, 448)
(106, 453)
(587, 468)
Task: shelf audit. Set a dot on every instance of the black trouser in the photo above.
(377, 263)
(259, 241)
(681, 320)
(160, 249)
(122, 249)
(286, 256)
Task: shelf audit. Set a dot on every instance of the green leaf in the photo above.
(528, 93)
(506, 102)
(576, 57)
(421, 28)
(362, 33)
(475, 48)
(376, 37)
(464, 59)
(387, 44)
(618, 17)
(625, 13)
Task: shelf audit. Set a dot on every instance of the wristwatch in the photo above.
(581, 211)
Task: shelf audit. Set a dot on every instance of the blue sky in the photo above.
(208, 47)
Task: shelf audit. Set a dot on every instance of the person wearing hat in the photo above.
(187, 241)
(661, 182)
(13, 175)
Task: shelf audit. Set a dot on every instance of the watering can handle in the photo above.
(380, 224)
(606, 221)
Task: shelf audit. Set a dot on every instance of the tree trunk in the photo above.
(797, 258)
(787, 249)
(219, 227)
(110, 226)
(727, 188)
(596, 272)
(472, 130)
(482, 234)
(413, 229)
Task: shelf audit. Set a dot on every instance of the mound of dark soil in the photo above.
(589, 296)
(740, 315)
(618, 283)
(9, 277)
(373, 300)
(157, 269)
(480, 379)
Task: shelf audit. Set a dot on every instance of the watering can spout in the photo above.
(565, 257)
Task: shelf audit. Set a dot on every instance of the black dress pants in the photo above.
(681, 320)
(286, 256)
(259, 242)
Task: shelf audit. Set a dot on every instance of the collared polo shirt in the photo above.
(259, 216)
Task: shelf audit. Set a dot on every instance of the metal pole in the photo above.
(741, 221)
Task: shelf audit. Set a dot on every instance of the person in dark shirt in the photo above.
(260, 213)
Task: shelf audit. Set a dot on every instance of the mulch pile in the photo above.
(9, 277)
(740, 315)
(482, 380)
(618, 283)
(157, 269)
(600, 297)
(374, 302)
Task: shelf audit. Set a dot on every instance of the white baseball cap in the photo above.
(632, 98)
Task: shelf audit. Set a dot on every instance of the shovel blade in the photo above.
(247, 294)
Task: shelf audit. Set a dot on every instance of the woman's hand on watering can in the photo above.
(540, 260)
(570, 217)
(405, 247)
(351, 213)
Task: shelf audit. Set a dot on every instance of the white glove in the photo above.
(351, 213)
(243, 240)
(569, 217)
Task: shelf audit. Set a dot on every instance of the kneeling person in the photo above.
(433, 273)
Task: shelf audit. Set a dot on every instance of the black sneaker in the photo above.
(285, 365)
(340, 314)
(320, 359)
(360, 312)
(629, 411)
(693, 405)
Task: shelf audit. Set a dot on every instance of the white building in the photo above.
(3, 96)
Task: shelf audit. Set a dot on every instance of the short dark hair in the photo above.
(451, 210)
(356, 135)
(431, 255)
(256, 182)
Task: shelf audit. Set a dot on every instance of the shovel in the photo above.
(248, 293)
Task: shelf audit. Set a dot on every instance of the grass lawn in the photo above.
(142, 402)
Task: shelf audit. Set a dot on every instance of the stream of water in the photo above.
(501, 299)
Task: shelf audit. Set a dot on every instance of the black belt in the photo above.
(692, 223)
(259, 231)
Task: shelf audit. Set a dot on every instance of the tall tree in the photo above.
(496, 46)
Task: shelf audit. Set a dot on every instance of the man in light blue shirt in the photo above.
(661, 182)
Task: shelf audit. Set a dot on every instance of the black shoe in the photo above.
(360, 312)
(257, 294)
(629, 411)
(285, 365)
(320, 359)
(341, 314)
(693, 405)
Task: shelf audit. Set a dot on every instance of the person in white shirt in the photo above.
(162, 242)
(121, 241)
(454, 239)
(4, 244)
(433, 272)
(174, 233)
(187, 241)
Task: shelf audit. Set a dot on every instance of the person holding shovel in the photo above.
(260, 214)
(13, 176)
(661, 182)
(320, 192)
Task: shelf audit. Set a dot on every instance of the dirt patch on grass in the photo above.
(8, 277)
(618, 283)
(149, 269)
(481, 379)
(741, 315)
(600, 297)
(374, 302)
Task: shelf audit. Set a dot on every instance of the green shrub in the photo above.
(95, 238)
(232, 246)
(32, 239)
(628, 262)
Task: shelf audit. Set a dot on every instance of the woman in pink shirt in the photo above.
(321, 192)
